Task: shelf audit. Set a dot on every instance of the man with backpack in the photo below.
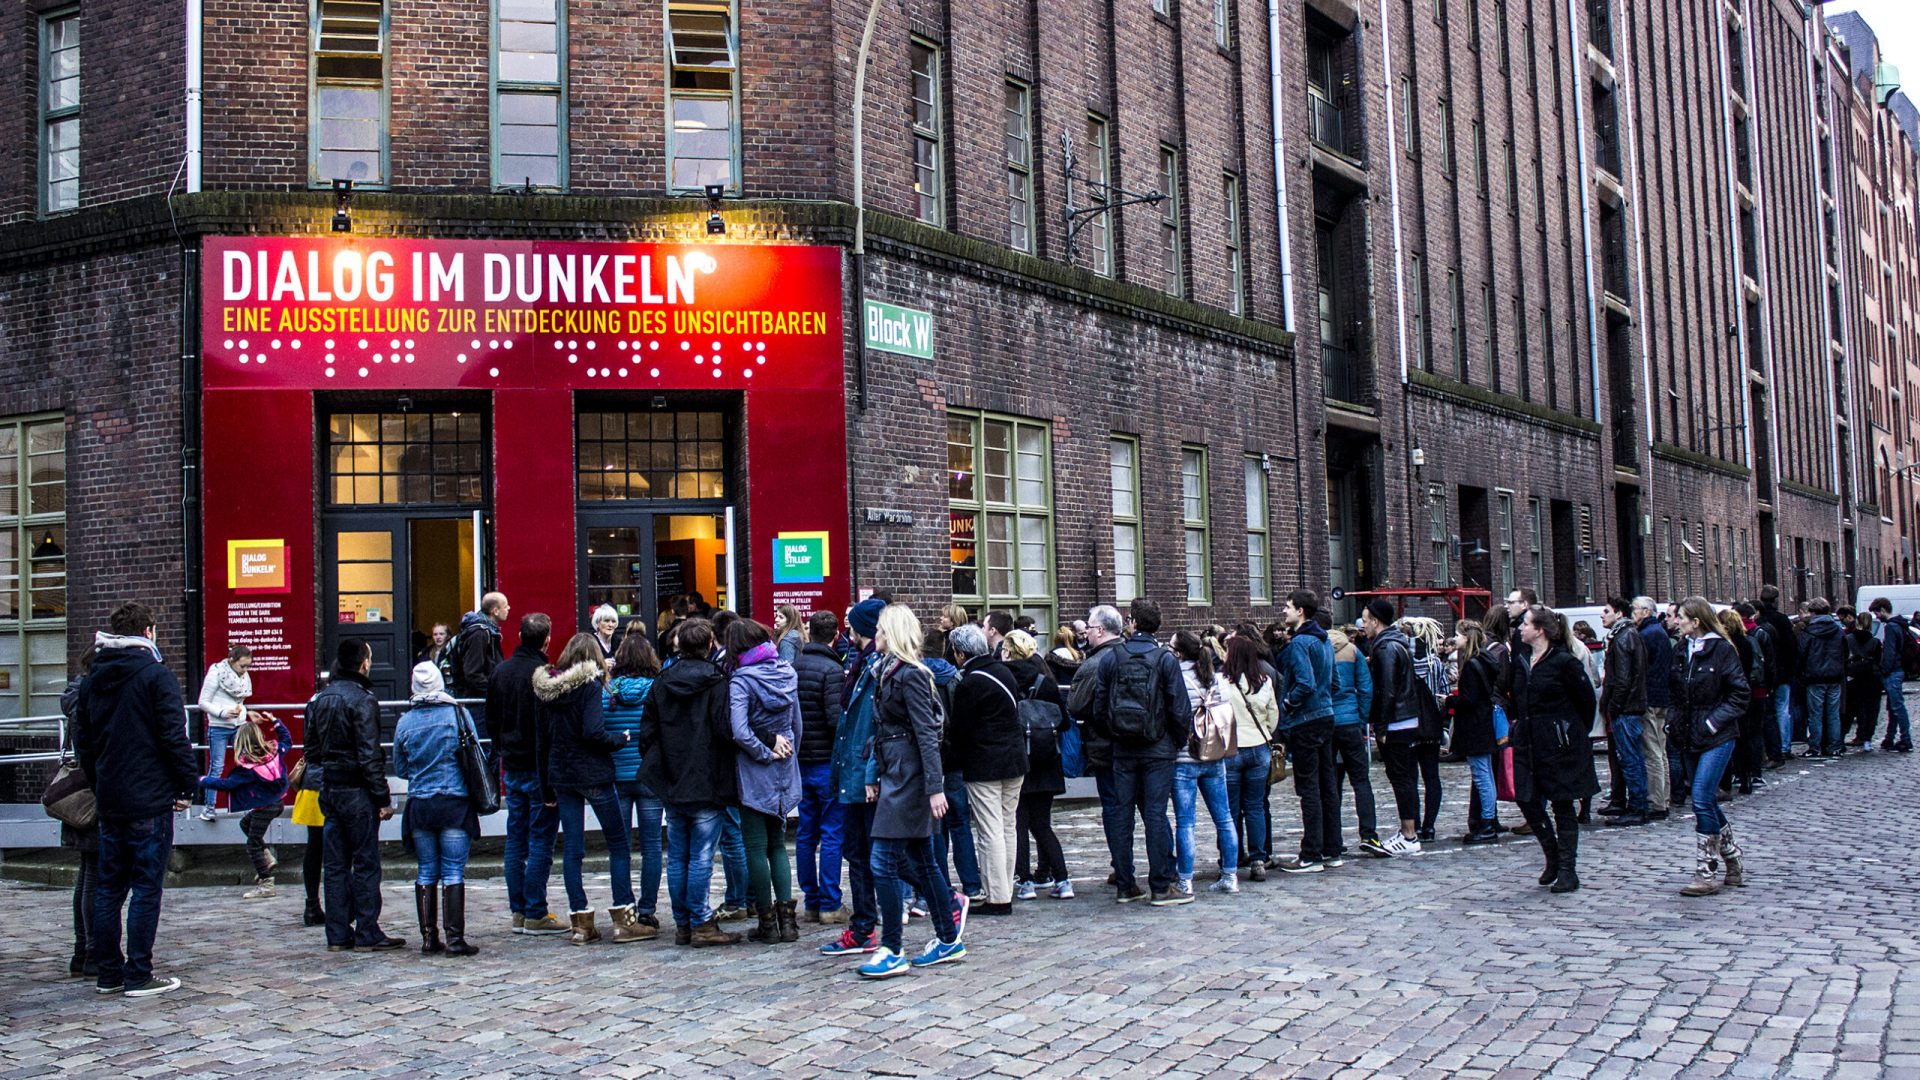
(467, 663)
(1306, 727)
(1899, 655)
(1143, 711)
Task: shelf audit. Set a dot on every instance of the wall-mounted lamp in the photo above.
(343, 206)
(716, 225)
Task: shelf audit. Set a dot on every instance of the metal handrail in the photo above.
(59, 723)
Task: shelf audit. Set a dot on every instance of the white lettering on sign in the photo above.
(912, 331)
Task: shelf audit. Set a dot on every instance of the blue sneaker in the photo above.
(885, 965)
(1027, 890)
(939, 953)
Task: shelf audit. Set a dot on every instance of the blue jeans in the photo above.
(733, 858)
(817, 845)
(1823, 718)
(1783, 714)
(641, 813)
(442, 855)
(1899, 727)
(1193, 781)
(133, 870)
(218, 739)
(1144, 785)
(1707, 769)
(911, 861)
(1481, 765)
(1246, 799)
(573, 826)
(528, 857)
(692, 834)
(856, 843)
(1625, 733)
(955, 832)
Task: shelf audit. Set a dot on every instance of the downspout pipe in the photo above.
(859, 268)
(1574, 54)
(195, 24)
(1275, 96)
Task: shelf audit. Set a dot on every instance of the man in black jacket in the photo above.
(1143, 754)
(1823, 669)
(513, 714)
(130, 732)
(1623, 703)
(476, 651)
(343, 742)
(817, 845)
(1786, 670)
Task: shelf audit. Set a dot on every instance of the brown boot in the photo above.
(682, 934)
(767, 932)
(583, 932)
(789, 922)
(626, 928)
(1706, 877)
(1735, 876)
(709, 933)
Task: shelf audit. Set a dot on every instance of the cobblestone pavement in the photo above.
(1449, 964)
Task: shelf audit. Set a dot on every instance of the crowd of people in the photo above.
(926, 761)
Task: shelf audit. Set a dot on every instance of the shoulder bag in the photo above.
(483, 787)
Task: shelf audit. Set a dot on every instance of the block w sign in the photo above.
(899, 330)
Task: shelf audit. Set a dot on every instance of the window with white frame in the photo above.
(349, 107)
(1457, 324)
(1503, 541)
(1019, 139)
(1417, 271)
(703, 130)
(33, 565)
(1412, 118)
(1259, 551)
(1223, 23)
(1437, 535)
(924, 124)
(1171, 277)
(529, 92)
(1536, 542)
(1096, 166)
(1123, 481)
(1667, 580)
(1193, 521)
(60, 112)
(1000, 509)
(1236, 268)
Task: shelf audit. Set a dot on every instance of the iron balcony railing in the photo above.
(1329, 122)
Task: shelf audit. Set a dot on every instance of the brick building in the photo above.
(1504, 292)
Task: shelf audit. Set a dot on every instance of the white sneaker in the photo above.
(262, 891)
(1183, 886)
(1228, 883)
(206, 814)
(1062, 890)
(1026, 890)
(1398, 845)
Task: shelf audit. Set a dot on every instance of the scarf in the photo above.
(104, 640)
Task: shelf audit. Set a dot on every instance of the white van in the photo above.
(1905, 598)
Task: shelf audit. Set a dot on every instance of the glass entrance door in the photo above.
(388, 579)
(639, 561)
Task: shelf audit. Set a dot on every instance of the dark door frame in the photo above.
(641, 515)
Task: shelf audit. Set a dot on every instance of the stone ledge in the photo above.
(1448, 389)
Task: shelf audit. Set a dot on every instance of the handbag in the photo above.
(1503, 775)
(1277, 762)
(483, 787)
(69, 798)
(297, 776)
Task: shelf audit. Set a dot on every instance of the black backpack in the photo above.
(1909, 648)
(1133, 696)
(1040, 719)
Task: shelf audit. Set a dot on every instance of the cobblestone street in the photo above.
(1449, 964)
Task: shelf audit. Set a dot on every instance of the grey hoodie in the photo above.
(764, 703)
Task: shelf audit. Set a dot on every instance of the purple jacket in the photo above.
(763, 698)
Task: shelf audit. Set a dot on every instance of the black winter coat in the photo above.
(906, 752)
(984, 728)
(513, 712)
(1085, 700)
(1396, 686)
(343, 736)
(1786, 646)
(822, 689)
(1863, 657)
(575, 748)
(1710, 694)
(1552, 724)
(130, 729)
(686, 737)
(1045, 774)
(1824, 659)
(1474, 699)
(1624, 690)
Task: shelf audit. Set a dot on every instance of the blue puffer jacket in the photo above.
(1352, 687)
(621, 704)
(1306, 677)
(852, 764)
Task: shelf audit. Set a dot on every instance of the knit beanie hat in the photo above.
(865, 617)
(427, 680)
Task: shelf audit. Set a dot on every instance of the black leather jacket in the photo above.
(343, 736)
(1624, 691)
(1395, 685)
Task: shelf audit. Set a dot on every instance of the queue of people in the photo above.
(899, 748)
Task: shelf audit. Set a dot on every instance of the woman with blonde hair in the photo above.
(1065, 658)
(954, 615)
(909, 796)
(223, 704)
(788, 637)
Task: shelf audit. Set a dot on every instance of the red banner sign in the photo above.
(366, 313)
